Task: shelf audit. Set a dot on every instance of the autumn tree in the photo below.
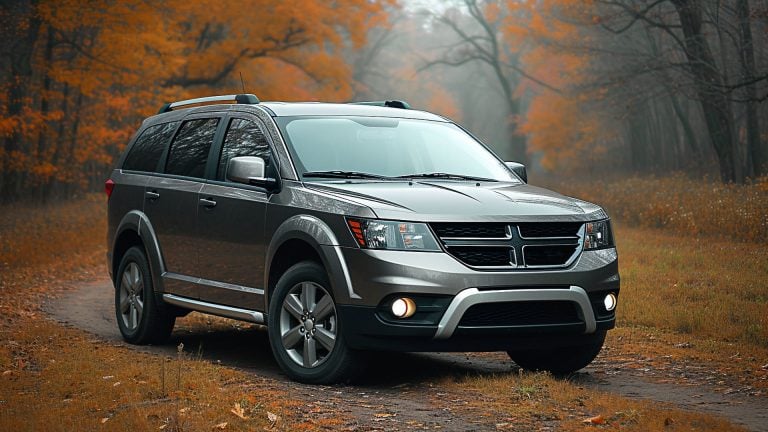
(478, 38)
(78, 75)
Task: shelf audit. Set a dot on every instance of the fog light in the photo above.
(403, 307)
(610, 302)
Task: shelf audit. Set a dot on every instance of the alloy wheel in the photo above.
(131, 296)
(308, 324)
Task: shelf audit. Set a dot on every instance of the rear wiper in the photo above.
(343, 174)
(442, 175)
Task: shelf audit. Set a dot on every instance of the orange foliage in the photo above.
(107, 65)
(559, 123)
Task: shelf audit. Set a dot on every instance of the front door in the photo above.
(231, 225)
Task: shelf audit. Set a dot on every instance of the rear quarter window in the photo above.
(146, 151)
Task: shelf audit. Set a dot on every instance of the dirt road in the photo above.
(395, 381)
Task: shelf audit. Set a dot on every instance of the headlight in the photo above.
(598, 235)
(377, 234)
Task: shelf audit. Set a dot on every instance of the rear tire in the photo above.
(561, 360)
(141, 316)
(305, 333)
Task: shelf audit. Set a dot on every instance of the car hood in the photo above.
(460, 201)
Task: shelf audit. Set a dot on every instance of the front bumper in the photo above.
(445, 290)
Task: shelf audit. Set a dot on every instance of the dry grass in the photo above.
(41, 246)
(536, 401)
(682, 205)
(706, 287)
(58, 379)
(669, 357)
(53, 378)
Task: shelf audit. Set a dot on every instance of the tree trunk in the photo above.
(42, 141)
(709, 86)
(20, 57)
(747, 61)
(690, 135)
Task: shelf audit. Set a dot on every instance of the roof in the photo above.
(245, 102)
(291, 109)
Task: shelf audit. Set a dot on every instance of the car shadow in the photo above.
(247, 347)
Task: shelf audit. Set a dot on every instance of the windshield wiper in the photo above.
(343, 174)
(442, 175)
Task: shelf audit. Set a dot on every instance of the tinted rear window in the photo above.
(148, 148)
(189, 151)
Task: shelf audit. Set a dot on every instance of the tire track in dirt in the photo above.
(390, 397)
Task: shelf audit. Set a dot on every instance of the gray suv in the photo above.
(350, 228)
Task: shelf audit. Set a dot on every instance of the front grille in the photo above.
(554, 229)
(520, 313)
(483, 256)
(470, 230)
(547, 255)
(496, 246)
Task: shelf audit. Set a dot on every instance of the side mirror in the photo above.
(518, 169)
(249, 170)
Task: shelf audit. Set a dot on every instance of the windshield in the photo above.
(371, 147)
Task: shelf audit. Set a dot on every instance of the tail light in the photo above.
(109, 186)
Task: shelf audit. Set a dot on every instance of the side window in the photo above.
(244, 138)
(189, 151)
(148, 148)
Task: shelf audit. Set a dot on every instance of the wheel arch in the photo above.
(135, 229)
(307, 238)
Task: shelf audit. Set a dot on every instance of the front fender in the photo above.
(321, 237)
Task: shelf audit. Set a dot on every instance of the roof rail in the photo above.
(390, 103)
(239, 98)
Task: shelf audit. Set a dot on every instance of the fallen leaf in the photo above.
(116, 384)
(107, 377)
(272, 417)
(104, 420)
(239, 411)
(8, 372)
(384, 415)
(598, 419)
(221, 426)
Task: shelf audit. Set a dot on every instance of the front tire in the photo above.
(141, 316)
(561, 360)
(305, 333)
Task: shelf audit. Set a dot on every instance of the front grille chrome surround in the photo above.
(546, 245)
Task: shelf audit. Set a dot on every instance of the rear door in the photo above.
(171, 201)
(137, 168)
(231, 226)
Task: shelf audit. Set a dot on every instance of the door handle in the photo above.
(207, 203)
(151, 195)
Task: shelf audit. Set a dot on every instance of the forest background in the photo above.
(595, 88)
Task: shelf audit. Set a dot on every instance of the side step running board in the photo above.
(215, 309)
